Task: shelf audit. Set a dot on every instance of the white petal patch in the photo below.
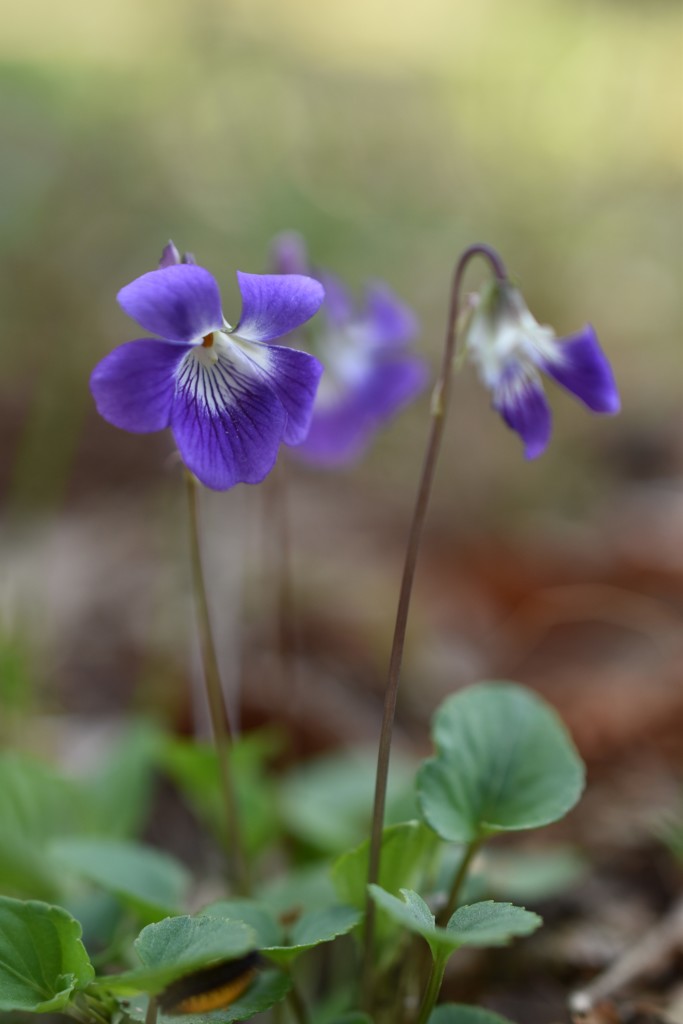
(218, 376)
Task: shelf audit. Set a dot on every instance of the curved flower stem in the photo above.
(460, 876)
(220, 720)
(433, 988)
(439, 408)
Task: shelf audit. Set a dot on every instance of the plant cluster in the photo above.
(327, 914)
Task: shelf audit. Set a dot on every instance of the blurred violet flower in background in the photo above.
(229, 397)
(170, 257)
(511, 350)
(368, 377)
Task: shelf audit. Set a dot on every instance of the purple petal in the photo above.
(389, 321)
(582, 368)
(275, 304)
(179, 303)
(170, 257)
(133, 386)
(226, 420)
(288, 254)
(294, 377)
(520, 400)
(341, 430)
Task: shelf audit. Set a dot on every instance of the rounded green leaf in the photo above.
(454, 1013)
(327, 802)
(179, 946)
(150, 881)
(42, 958)
(504, 761)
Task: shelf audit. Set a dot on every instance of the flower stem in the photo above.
(461, 874)
(433, 988)
(297, 1005)
(220, 720)
(439, 408)
(152, 1009)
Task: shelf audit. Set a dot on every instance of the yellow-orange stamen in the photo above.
(208, 341)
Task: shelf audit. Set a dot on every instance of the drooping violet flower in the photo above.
(229, 397)
(369, 377)
(511, 351)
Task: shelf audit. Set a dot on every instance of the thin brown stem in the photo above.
(439, 408)
(220, 720)
(152, 1010)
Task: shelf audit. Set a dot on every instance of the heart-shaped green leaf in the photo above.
(178, 946)
(504, 761)
(42, 958)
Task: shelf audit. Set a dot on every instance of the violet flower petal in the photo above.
(288, 254)
(294, 377)
(226, 420)
(339, 307)
(178, 303)
(582, 368)
(133, 386)
(275, 304)
(341, 431)
(390, 323)
(520, 400)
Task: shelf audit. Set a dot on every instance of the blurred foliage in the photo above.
(389, 138)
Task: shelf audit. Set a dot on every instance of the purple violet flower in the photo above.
(511, 350)
(368, 375)
(229, 397)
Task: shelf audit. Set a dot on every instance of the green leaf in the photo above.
(269, 988)
(313, 929)
(42, 958)
(149, 881)
(405, 847)
(195, 770)
(491, 924)
(482, 924)
(327, 802)
(179, 946)
(121, 792)
(454, 1013)
(36, 805)
(353, 1018)
(504, 761)
(405, 850)
(532, 874)
(283, 945)
(258, 916)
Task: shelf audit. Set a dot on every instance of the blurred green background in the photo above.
(391, 135)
